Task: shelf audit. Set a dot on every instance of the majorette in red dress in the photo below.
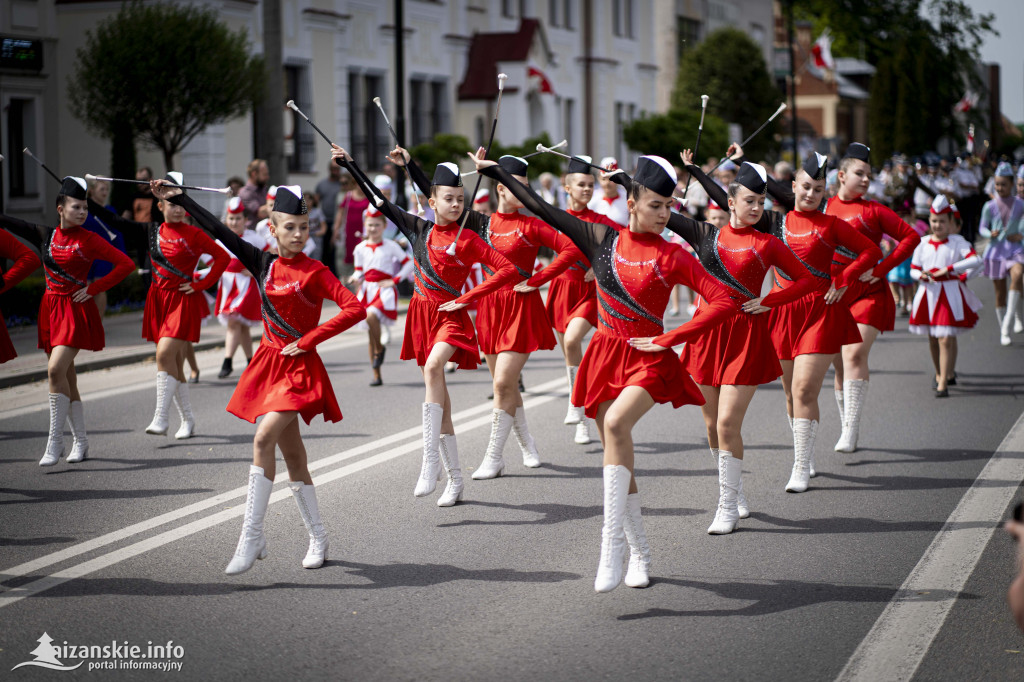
(872, 304)
(635, 273)
(507, 320)
(25, 262)
(569, 294)
(439, 276)
(292, 291)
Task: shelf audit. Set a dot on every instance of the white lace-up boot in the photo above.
(430, 472)
(531, 458)
(305, 498)
(493, 463)
(855, 391)
(76, 420)
(841, 404)
(742, 508)
(166, 387)
(810, 449)
(59, 406)
(730, 474)
(638, 573)
(450, 460)
(1018, 316)
(613, 537)
(802, 442)
(575, 414)
(184, 405)
(1012, 299)
(252, 544)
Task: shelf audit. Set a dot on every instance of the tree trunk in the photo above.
(122, 165)
(272, 110)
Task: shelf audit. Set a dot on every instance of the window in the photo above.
(568, 8)
(688, 31)
(301, 147)
(569, 124)
(369, 137)
(554, 14)
(429, 108)
(622, 18)
(625, 113)
(23, 181)
(508, 9)
(560, 14)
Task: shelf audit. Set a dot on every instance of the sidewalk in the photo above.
(124, 346)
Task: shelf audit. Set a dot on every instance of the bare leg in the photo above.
(170, 357)
(505, 368)
(437, 389)
(953, 350)
(732, 407)
(232, 337)
(945, 368)
(575, 331)
(933, 348)
(60, 372)
(190, 357)
(710, 411)
(1000, 287)
(808, 375)
(855, 355)
(615, 422)
(787, 385)
(294, 452)
(268, 434)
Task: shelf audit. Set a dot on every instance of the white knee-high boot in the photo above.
(166, 387)
(856, 391)
(76, 420)
(305, 498)
(574, 414)
(430, 472)
(1018, 315)
(742, 507)
(1000, 314)
(1012, 300)
(450, 460)
(613, 537)
(730, 475)
(252, 544)
(184, 405)
(494, 463)
(531, 458)
(59, 406)
(841, 404)
(638, 572)
(803, 440)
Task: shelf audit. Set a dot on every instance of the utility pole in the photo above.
(792, 83)
(271, 133)
(399, 193)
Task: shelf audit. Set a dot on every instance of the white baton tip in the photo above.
(89, 176)
(376, 100)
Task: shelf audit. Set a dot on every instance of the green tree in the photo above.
(165, 72)
(668, 134)
(729, 67)
(444, 147)
(541, 163)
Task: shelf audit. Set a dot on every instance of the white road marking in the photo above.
(902, 635)
(44, 583)
(34, 401)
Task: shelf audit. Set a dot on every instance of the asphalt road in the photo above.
(131, 545)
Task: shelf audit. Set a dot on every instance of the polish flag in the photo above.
(538, 79)
(821, 51)
(966, 103)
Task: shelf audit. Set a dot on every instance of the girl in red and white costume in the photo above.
(437, 325)
(286, 378)
(68, 318)
(870, 301)
(736, 357)
(572, 296)
(25, 263)
(808, 332)
(511, 321)
(618, 382)
(238, 301)
(944, 306)
(175, 305)
(380, 264)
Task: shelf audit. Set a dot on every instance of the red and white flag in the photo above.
(539, 81)
(821, 51)
(966, 103)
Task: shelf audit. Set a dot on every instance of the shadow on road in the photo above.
(552, 513)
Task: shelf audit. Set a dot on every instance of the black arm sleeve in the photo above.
(252, 258)
(411, 226)
(721, 197)
(113, 220)
(783, 195)
(30, 232)
(586, 236)
(419, 178)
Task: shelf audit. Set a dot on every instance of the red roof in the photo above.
(486, 50)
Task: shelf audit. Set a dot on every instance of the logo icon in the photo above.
(46, 656)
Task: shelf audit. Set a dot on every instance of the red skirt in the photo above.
(810, 326)
(280, 383)
(610, 364)
(7, 351)
(738, 352)
(872, 304)
(510, 321)
(173, 313)
(62, 322)
(568, 299)
(426, 326)
(943, 315)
